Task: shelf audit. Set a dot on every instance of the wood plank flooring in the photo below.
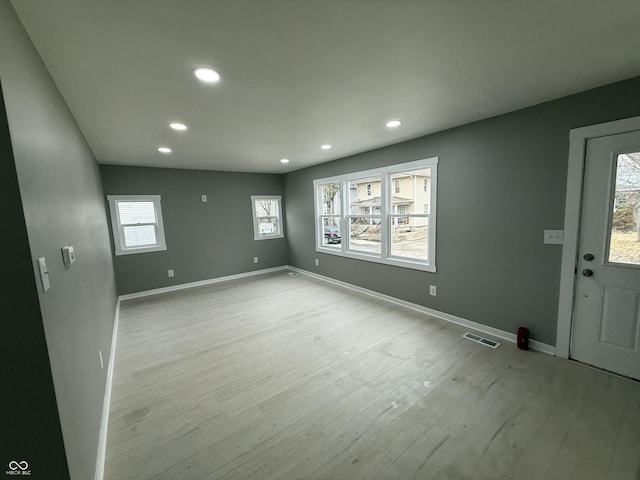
(288, 377)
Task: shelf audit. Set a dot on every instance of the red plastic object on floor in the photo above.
(523, 338)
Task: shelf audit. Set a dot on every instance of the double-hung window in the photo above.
(267, 217)
(363, 215)
(136, 222)
(386, 215)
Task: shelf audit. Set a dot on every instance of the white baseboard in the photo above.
(104, 424)
(510, 337)
(200, 283)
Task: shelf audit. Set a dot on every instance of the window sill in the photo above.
(268, 237)
(131, 251)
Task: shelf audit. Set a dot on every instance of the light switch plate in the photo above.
(68, 255)
(44, 274)
(555, 237)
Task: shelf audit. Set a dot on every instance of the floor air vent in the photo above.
(292, 274)
(482, 340)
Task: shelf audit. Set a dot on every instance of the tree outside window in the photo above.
(267, 214)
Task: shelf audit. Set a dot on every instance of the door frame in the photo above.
(572, 214)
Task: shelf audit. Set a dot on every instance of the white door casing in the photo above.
(606, 314)
(577, 149)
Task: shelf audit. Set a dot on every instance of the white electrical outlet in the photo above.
(100, 357)
(432, 290)
(204, 199)
(170, 272)
(255, 259)
(317, 262)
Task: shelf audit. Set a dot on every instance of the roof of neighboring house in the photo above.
(396, 176)
(375, 201)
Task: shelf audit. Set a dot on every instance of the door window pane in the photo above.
(624, 240)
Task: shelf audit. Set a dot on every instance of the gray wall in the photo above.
(62, 200)
(30, 424)
(501, 182)
(204, 240)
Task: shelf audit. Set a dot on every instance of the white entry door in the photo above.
(606, 313)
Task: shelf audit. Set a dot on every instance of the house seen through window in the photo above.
(385, 215)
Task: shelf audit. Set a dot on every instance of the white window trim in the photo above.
(118, 230)
(256, 229)
(386, 185)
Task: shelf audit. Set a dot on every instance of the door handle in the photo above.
(587, 272)
(588, 257)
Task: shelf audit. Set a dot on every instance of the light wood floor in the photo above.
(292, 378)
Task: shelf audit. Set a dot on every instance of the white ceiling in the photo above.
(300, 73)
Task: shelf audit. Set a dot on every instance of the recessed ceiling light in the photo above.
(394, 123)
(164, 149)
(206, 74)
(178, 126)
(284, 160)
(326, 146)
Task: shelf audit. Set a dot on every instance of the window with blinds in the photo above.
(137, 223)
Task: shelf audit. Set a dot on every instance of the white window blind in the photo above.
(139, 236)
(136, 223)
(132, 213)
(138, 220)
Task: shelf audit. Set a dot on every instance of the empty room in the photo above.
(339, 239)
